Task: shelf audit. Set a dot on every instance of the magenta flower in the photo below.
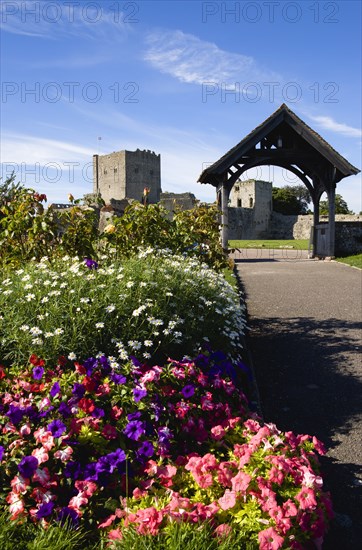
(27, 466)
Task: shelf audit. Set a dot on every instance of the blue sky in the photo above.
(186, 79)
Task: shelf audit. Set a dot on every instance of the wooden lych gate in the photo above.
(285, 140)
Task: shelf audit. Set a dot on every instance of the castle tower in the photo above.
(125, 174)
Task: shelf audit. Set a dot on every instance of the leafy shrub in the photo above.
(26, 231)
(160, 306)
(193, 233)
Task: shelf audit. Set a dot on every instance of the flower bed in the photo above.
(146, 445)
(127, 441)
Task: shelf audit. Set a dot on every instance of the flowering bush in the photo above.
(143, 446)
(147, 304)
(193, 233)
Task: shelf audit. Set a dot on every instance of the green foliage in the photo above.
(341, 207)
(191, 233)
(181, 536)
(291, 200)
(78, 231)
(17, 535)
(8, 190)
(26, 230)
(29, 231)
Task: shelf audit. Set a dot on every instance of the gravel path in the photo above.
(305, 336)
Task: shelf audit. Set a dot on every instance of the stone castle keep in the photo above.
(125, 174)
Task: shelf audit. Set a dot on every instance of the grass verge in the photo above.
(298, 244)
(355, 260)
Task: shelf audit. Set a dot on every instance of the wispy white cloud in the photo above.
(54, 20)
(195, 61)
(328, 123)
(21, 148)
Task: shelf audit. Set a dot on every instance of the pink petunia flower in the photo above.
(228, 500)
(64, 454)
(19, 484)
(269, 539)
(306, 499)
(87, 488)
(223, 530)
(40, 454)
(16, 505)
(42, 476)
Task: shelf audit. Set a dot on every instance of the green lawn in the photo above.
(355, 260)
(298, 244)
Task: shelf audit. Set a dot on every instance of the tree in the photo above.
(340, 205)
(291, 200)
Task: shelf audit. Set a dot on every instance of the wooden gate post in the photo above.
(224, 216)
(331, 219)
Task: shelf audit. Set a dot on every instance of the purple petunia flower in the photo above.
(134, 416)
(188, 391)
(91, 264)
(2, 451)
(90, 364)
(78, 390)
(118, 378)
(27, 466)
(45, 510)
(98, 413)
(90, 472)
(146, 449)
(38, 373)
(57, 428)
(164, 434)
(138, 394)
(110, 462)
(68, 514)
(55, 389)
(72, 469)
(64, 410)
(15, 414)
(134, 429)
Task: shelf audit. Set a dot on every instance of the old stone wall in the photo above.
(178, 201)
(348, 237)
(242, 224)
